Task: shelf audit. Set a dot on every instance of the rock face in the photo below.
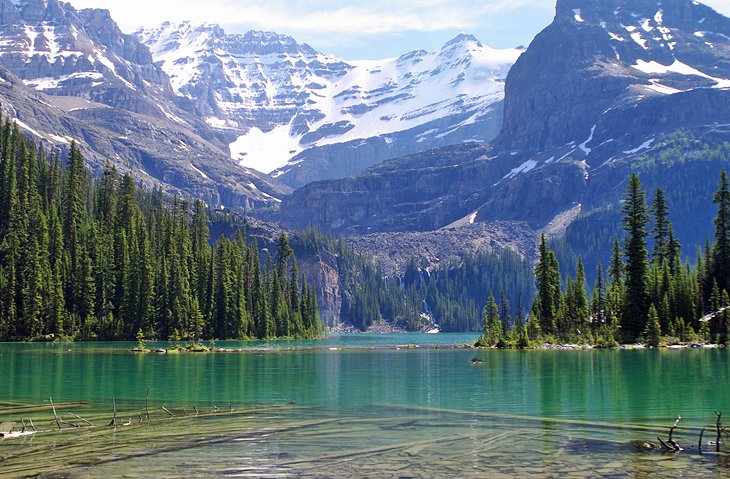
(605, 55)
(61, 51)
(305, 116)
(76, 76)
(607, 82)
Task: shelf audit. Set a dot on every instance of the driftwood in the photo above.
(699, 444)
(114, 419)
(82, 419)
(58, 422)
(167, 411)
(671, 445)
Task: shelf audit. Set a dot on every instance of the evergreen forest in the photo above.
(647, 294)
(85, 259)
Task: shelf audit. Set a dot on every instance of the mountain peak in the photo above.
(461, 39)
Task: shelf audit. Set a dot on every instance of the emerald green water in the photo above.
(430, 410)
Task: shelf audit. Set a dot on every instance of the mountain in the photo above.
(610, 87)
(303, 116)
(73, 75)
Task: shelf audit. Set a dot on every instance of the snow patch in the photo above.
(265, 151)
(618, 38)
(578, 15)
(643, 146)
(523, 168)
(50, 83)
(583, 146)
(201, 173)
(636, 37)
(664, 89)
(679, 68)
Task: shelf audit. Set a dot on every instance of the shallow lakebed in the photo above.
(361, 405)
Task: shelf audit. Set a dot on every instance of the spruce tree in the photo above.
(652, 331)
(547, 275)
(721, 248)
(637, 265)
(661, 227)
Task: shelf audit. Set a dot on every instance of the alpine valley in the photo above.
(427, 165)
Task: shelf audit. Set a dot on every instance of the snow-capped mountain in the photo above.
(610, 87)
(70, 74)
(302, 115)
(58, 50)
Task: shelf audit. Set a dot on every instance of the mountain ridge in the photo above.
(304, 116)
(601, 88)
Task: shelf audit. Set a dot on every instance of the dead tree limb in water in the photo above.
(114, 419)
(699, 444)
(55, 416)
(671, 445)
(719, 427)
(167, 411)
(79, 417)
(146, 409)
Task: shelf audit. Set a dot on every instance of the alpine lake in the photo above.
(407, 405)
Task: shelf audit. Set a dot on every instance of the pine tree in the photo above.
(637, 265)
(721, 249)
(598, 299)
(504, 312)
(547, 274)
(492, 325)
(661, 227)
(652, 331)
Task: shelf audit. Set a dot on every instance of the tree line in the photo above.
(84, 259)
(649, 296)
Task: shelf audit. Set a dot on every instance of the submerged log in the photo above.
(58, 422)
(719, 427)
(699, 444)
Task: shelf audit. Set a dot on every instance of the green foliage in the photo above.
(662, 298)
(652, 331)
(636, 296)
(104, 260)
(492, 333)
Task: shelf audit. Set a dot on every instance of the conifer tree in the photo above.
(547, 301)
(652, 331)
(636, 294)
(661, 227)
(721, 249)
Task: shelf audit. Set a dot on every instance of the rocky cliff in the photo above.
(604, 86)
(71, 74)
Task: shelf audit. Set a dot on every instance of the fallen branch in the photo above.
(671, 445)
(58, 422)
(699, 444)
(114, 419)
(719, 427)
(79, 417)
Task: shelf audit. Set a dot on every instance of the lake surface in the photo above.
(365, 405)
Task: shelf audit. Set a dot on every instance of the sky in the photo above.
(355, 29)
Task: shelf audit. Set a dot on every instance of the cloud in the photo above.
(363, 18)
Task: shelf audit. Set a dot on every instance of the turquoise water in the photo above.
(412, 382)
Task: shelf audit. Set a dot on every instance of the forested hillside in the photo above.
(648, 292)
(85, 259)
